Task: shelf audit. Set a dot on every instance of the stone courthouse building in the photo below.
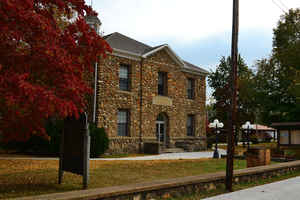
(148, 94)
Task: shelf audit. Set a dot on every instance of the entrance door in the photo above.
(160, 131)
(161, 128)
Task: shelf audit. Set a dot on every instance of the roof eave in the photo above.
(128, 54)
(119, 52)
(194, 72)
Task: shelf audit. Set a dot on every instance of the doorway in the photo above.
(161, 128)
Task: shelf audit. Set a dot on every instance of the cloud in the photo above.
(184, 21)
(198, 30)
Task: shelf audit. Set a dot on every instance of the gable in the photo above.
(124, 46)
(163, 57)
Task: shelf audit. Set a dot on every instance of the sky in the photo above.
(198, 31)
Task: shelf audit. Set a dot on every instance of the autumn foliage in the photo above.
(43, 58)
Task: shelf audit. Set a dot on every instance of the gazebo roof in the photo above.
(260, 127)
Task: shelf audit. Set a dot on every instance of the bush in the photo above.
(38, 145)
(99, 141)
(253, 139)
(35, 145)
(292, 153)
(54, 129)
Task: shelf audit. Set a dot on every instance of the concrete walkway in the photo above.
(171, 156)
(283, 190)
(166, 156)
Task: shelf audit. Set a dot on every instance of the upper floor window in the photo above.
(190, 124)
(124, 82)
(191, 88)
(162, 83)
(123, 123)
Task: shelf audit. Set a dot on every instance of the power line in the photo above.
(285, 12)
(279, 6)
(283, 5)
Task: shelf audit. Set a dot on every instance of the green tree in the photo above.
(220, 82)
(277, 78)
(286, 41)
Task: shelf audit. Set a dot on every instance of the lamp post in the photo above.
(94, 23)
(216, 124)
(248, 127)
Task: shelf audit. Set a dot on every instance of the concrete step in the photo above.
(172, 150)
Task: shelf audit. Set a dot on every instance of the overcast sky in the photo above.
(199, 31)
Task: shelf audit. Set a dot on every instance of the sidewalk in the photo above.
(166, 156)
(283, 190)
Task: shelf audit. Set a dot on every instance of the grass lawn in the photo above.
(28, 177)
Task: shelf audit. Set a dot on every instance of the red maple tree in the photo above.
(43, 62)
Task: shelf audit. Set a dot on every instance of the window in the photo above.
(123, 125)
(190, 125)
(124, 78)
(284, 137)
(162, 83)
(191, 88)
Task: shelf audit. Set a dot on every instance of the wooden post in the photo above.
(232, 119)
(86, 161)
(86, 155)
(61, 158)
(278, 139)
(290, 137)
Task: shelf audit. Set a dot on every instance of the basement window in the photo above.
(190, 125)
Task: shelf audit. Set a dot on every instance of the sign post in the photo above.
(75, 148)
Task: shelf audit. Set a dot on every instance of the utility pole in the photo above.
(232, 115)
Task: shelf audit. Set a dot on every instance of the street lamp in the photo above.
(95, 23)
(216, 124)
(247, 128)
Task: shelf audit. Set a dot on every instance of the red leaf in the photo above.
(40, 71)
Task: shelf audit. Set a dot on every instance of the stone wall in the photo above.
(178, 187)
(144, 111)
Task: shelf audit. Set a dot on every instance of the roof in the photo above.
(262, 128)
(194, 67)
(153, 48)
(120, 42)
(286, 124)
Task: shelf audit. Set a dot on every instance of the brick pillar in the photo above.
(258, 156)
